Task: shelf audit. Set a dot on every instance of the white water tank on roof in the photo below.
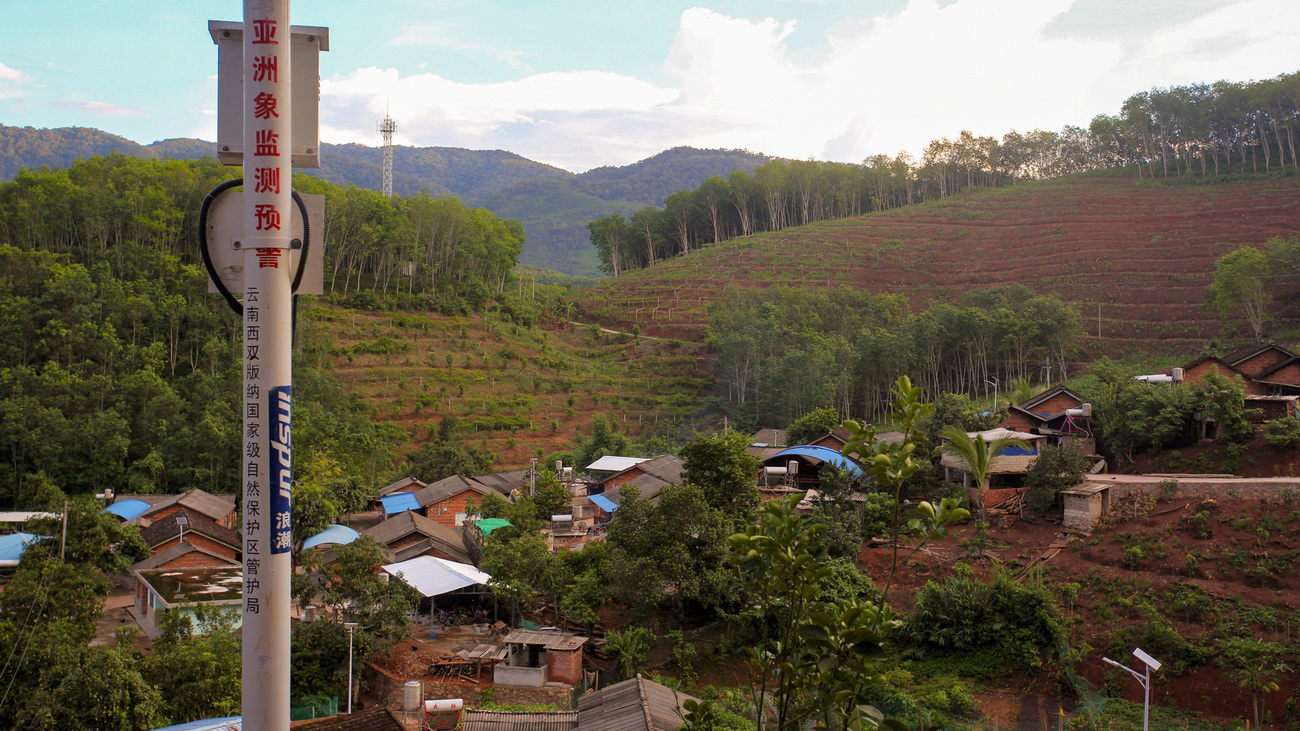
(412, 694)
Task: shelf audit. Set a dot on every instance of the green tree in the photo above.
(102, 690)
(1240, 287)
(721, 467)
(1256, 665)
(197, 663)
(976, 454)
(356, 592)
(521, 566)
(1053, 470)
(632, 647)
(813, 425)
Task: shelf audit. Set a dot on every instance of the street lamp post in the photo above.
(351, 626)
(1144, 679)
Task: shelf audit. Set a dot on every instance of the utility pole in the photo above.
(267, 129)
(267, 396)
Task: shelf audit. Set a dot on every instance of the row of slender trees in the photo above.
(94, 209)
(1201, 130)
(786, 352)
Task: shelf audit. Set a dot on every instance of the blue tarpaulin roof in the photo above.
(13, 545)
(825, 454)
(604, 503)
(340, 534)
(128, 509)
(400, 502)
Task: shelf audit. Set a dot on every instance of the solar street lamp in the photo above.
(351, 626)
(1144, 678)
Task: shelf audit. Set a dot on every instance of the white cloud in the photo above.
(891, 82)
(11, 81)
(103, 109)
(446, 36)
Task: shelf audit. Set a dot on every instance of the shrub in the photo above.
(1282, 433)
(1055, 469)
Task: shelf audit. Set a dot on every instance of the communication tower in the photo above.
(387, 126)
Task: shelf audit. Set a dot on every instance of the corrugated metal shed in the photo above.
(615, 464)
(474, 720)
(432, 576)
(549, 640)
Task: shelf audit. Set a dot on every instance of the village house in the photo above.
(536, 657)
(179, 578)
(1006, 470)
(145, 509)
(409, 534)
(647, 476)
(636, 704)
(195, 529)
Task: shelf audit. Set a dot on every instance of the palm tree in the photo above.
(977, 453)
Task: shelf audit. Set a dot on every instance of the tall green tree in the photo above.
(1240, 287)
(719, 465)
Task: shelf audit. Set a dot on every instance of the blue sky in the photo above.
(580, 83)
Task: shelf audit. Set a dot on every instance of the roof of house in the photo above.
(610, 463)
(1264, 374)
(666, 469)
(549, 640)
(373, 719)
(401, 485)
(164, 529)
(1241, 355)
(448, 486)
(820, 454)
(504, 482)
(632, 705)
(178, 550)
(647, 487)
(1002, 464)
(1226, 370)
(1026, 412)
(768, 437)
(216, 507)
(1047, 395)
(476, 720)
(442, 537)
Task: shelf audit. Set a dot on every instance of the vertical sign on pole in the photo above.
(267, 402)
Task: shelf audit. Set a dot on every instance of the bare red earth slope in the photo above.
(1144, 252)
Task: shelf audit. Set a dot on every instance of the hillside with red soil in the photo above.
(1141, 253)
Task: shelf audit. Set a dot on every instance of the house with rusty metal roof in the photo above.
(218, 508)
(409, 534)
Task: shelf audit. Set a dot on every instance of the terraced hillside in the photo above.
(1140, 254)
(516, 390)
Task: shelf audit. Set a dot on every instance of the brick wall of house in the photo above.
(1056, 404)
(1017, 421)
(622, 478)
(1258, 364)
(830, 441)
(565, 667)
(194, 559)
(200, 541)
(1289, 375)
(1197, 373)
(404, 541)
(444, 511)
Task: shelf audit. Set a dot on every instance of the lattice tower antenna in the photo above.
(387, 126)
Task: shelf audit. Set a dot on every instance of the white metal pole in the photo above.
(351, 626)
(267, 402)
(1146, 697)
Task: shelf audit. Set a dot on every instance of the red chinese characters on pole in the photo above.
(264, 32)
(266, 180)
(264, 106)
(268, 218)
(268, 144)
(269, 258)
(266, 68)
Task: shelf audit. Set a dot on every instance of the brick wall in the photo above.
(1017, 421)
(201, 541)
(622, 478)
(992, 498)
(565, 667)
(1260, 363)
(444, 511)
(191, 560)
(1264, 490)
(1290, 375)
(1056, 404)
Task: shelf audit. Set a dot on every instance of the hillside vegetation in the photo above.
(1135, 257)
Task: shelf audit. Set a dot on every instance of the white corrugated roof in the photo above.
(1001, 433)
(616, 464)
(432, 576)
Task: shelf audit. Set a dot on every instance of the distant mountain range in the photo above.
(554, 205)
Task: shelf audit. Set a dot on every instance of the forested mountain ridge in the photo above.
(554, 205)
